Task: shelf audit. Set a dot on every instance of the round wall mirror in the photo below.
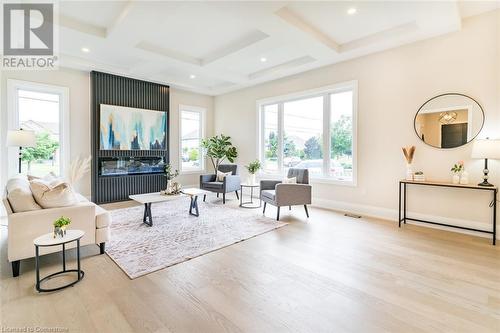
(449, 120)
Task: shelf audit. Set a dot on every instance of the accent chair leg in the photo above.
(224, 198)
(289, 207)
(264, 210)
(278, 214)
(307, 213)
(102, 247)
(237, 196)
(217, 194)
(15, 268)
(204, 197)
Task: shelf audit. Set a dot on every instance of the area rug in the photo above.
(177, 236)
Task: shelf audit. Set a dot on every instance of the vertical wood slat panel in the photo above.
(122, 91)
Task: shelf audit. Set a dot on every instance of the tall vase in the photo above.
(409, 172)
(169, 186)
(456, 178)
(251, 179)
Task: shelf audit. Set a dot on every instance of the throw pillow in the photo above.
(19, 195)
(48, 177)
(52, 195)
(221, 175)
(292, 180)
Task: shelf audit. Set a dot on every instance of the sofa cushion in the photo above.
(19, 195)
(52, 195)
(271, 194)
(213, 185)
(102, 218)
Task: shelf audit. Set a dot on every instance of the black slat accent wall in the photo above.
(118, 90)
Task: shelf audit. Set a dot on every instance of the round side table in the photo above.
(249, 204)
(49, 240)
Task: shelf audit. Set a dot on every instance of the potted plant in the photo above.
(60, 226)
(457, 169)
(219, 148)
(172, 188)
(252, 168)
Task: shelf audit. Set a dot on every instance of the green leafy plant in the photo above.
(44, 149)
(458, 167)
(219, 148)
(62, 222)
(169, 173)
(253, 167)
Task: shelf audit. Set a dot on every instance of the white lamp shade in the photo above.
(486, 149)
(21, 138)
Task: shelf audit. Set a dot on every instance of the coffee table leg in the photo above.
(37, 268)
(148, 217)
(78, 259)
(194, 204)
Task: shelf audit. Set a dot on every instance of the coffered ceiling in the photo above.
(217, 47)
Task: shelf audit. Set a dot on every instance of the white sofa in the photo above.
(25, 226)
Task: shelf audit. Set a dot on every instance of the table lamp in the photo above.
(487, 149)
(20, 138)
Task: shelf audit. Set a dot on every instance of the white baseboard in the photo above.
(392, 215)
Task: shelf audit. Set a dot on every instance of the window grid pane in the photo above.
(303, 135)
(40, 112)
(191, 136)
(270, 139)
(341, 115)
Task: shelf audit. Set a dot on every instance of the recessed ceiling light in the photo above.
(192, 76)
(85, 50)
(263, 59)
(352, 11)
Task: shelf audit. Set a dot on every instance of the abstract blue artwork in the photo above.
(124, 128)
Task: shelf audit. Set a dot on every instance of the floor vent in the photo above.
(354, 216)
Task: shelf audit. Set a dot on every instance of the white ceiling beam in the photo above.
(120, 18)
(149, 47)
(235, 46)
(293, 19)
(74, 24)
(380, 37)
(282, 67)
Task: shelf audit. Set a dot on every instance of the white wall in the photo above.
(78, 83)
(392, 86)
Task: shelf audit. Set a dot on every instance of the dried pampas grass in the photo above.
(78, 168)
(409, 152)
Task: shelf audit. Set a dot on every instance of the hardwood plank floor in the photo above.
(327, 274)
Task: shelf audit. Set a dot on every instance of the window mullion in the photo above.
(281, 134)
(326, 135)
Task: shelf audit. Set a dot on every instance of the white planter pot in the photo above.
(455, 179)
(251, 179)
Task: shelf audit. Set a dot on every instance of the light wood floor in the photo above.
(328, 274)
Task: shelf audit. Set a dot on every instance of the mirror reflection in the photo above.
(449, 120)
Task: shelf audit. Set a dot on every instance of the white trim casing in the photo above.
(325, 91)
(203, 113)
(13, 86)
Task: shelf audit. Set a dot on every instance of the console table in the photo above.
(402, 203)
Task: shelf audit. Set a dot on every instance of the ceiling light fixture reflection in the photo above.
(192, 76)
(85, 50)
(263, 59)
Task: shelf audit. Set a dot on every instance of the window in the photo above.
(192, 124)
(315, 130)
(44, 110)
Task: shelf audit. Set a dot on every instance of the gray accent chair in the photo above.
(279, 195)
(231, 183)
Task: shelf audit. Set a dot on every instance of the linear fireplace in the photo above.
(119, 166)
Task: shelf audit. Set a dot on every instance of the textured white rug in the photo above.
(177, 236)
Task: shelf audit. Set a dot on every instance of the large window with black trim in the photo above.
(314, 130)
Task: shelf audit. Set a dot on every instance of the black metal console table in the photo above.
(402, 204)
